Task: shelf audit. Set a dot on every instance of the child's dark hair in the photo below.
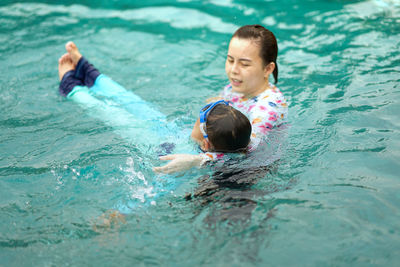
(266, 40)
(228, 129)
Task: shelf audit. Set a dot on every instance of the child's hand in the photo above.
(179, 162)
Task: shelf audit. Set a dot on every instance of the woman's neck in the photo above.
(259, 91)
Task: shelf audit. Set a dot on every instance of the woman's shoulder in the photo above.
(271, 102)
(272, 96)
(272, 93)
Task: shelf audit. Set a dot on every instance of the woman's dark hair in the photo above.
(228, 129)
(266, 40)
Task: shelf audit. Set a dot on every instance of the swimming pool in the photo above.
(332, 199)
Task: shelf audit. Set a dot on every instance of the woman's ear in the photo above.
(269, 69)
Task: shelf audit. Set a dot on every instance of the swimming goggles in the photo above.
(203, 115)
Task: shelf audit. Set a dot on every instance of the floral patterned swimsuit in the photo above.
(265, 111)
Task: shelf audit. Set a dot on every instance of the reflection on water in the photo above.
(229, 192)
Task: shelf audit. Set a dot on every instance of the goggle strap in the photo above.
(204, 112)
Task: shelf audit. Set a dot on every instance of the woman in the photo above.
(251, 59)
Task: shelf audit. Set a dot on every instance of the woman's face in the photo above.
(244, 67)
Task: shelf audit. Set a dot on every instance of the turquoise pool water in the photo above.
(333, 198)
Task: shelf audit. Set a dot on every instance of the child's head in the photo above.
(222, 128)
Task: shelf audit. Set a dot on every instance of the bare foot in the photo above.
(64, 65)
(73, 52)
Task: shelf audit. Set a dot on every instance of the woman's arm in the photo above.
(179, 162)
(214, 99)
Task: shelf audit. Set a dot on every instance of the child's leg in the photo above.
(102, 85)
(126, 125)
(143, 112)
(144, 125)
(106, 87)
(68, 83)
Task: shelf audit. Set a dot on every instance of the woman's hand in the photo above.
(213, 99)
(178, 163)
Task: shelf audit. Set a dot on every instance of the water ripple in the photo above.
(181, 18)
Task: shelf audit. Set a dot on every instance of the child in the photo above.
(221, 128)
